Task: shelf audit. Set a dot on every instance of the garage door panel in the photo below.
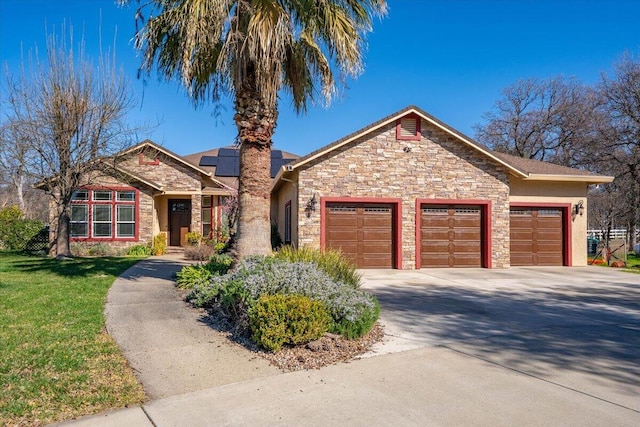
(466, 222)
(373, 235)
(363, 232)
(436, 260)
(376, 222)
(466, 235)
(370, 261)
(451, 236)
(521, 247)
(341, 220)
(537, 236)
(342, 235)
(435, 235)
(376, 248)
(549, 247)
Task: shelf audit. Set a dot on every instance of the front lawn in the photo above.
(56, 360)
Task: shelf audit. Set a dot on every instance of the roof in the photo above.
(522, 168)
(222, 163)
(180, 159)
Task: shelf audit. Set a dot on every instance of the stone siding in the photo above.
(378, 165)
(169, 174)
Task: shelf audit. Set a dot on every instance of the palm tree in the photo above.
(251, 50)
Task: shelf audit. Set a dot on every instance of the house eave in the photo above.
(587, 179)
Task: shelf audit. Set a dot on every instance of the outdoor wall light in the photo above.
(578, 208)
(311, 205)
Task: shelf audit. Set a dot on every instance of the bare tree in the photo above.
(541, 119)
(66, 114)
(620, 137)
(13, 159)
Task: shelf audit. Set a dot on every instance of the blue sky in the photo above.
(449, 57)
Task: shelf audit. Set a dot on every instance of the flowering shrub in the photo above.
(353, 311)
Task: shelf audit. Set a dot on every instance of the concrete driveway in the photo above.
(578, 328)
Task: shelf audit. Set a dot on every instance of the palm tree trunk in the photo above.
(256, 123)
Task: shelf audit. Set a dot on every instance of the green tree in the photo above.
(252, 50)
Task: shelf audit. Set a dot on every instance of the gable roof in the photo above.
(180, 159)
(521, 168)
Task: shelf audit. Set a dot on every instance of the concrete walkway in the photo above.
(168, 343)
(575, 364)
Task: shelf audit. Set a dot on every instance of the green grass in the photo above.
(633, 263)
(56, 360)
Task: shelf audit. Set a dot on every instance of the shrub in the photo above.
(83, 249)
(193, 237)
(139, 250)
(220, 263)
(16, 231)
(276, 238)
(192, 275)
(159, 244)
(353, 311)
(331, 261)
(199, 252)
(276, 320)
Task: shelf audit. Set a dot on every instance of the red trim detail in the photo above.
(567, 256)
(397, 210)
(487, 213)
(287, 223)
(114, 214)
(415, 137)
(143, 162)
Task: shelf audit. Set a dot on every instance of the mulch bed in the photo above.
(328, 350)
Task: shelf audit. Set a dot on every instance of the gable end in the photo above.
(408, 128)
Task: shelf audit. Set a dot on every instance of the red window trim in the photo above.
(114, 214)
(566, 225)
(415, 137)
(287, 223)
(486, 226)
(397, 207)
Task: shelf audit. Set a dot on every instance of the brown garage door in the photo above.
(451, 236)
(536, 236)
(364, 232)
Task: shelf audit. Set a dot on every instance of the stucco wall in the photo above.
(379, 166)
(558, 193)
(287, 192)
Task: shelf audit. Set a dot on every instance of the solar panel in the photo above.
(228, 152)
(208, 161)
(228, 162)
(228, 166)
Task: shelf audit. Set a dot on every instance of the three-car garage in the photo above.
(449, 234)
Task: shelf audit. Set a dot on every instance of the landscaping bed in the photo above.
(300, 309)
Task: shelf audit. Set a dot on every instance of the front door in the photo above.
(179, 220)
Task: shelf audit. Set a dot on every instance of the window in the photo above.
(104, 214)
(125, 196)
(101, 221)
(408, 128)
(126, 221)
(79, 220)
(100, 195)
(80, 195)
(206, 217)
(287, 223)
